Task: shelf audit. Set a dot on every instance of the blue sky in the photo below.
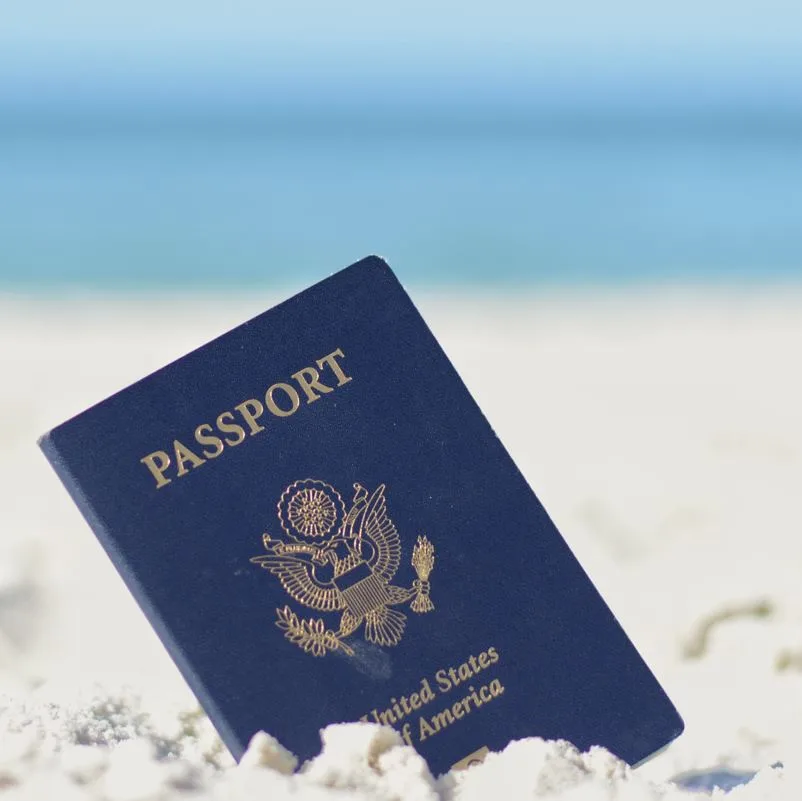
(161, 136)
(185, 23)
(175, 42)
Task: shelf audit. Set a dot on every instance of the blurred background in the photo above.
(196, 144)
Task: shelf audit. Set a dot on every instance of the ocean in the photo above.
(220, 199)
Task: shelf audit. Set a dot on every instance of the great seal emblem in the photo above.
(339, 560)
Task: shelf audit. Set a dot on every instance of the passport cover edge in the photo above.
(129, 578)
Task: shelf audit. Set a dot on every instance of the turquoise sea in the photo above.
(224, 198)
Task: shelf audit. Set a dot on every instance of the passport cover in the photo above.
(321, 526)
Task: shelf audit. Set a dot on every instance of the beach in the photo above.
(660, 428)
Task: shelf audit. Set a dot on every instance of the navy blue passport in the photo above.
(321, 526)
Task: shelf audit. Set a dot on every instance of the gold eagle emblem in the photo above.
(343, 560)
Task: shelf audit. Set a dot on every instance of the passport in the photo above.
(322, 527)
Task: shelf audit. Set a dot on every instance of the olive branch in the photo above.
(309, 634)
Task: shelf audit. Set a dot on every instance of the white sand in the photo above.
(663, 434)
